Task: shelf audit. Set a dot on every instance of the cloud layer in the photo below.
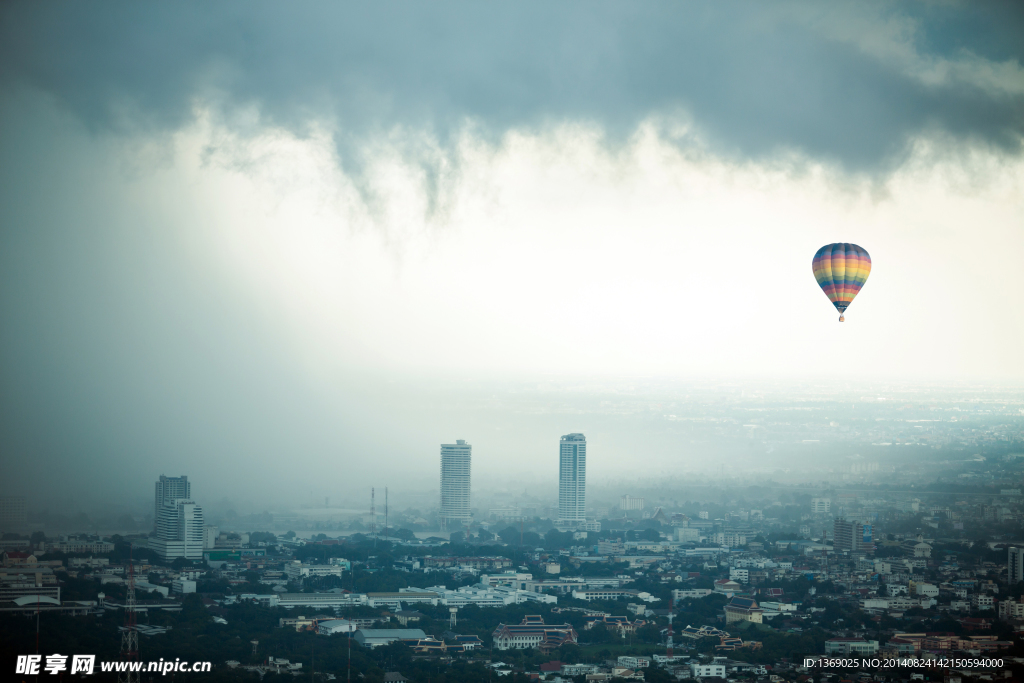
(852, 84)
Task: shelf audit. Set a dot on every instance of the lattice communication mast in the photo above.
(130, 635)
(671, 615)
(373, 517)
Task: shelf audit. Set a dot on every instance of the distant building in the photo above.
(852, 537)
(455, 483)
(508, 514)
(731, 539)
(375, 637)
(743, 609)
(12, 512)
(329, 627)
(628, 502)
(296, 571)
(850, 646)
(168, 489)
(1015, 565)
(82, 546)
(572, 478)
(532, 632)
(179, 531)
(821, 506)
(698, 670)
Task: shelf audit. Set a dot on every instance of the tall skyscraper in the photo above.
(455, 480)
(572, 478)
(170, 488)
(179, 530)
(1015, 565)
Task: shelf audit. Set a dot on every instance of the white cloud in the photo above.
(554, 254)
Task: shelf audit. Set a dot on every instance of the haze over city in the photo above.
(288, 251)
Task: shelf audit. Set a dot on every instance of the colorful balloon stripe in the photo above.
(841, 269)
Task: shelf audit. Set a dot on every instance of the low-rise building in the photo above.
(297, 571)
(329, 627)
(532, 632)
(698, 670)
(375, 637)
(743, 609)
(850, 646)
(980, 601)
(634, 662)
(606, 594)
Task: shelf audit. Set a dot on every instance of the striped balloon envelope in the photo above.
(841, 269)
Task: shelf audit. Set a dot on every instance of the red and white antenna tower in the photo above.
(130, 635)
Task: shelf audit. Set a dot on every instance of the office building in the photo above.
(1015, 565)
(170, 488)
(12, 513)
(628, 502)
(455, 483)
(179, 531)
(852, 537)
(572, 478)
(821, 506)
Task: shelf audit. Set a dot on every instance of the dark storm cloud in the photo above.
(755, 79)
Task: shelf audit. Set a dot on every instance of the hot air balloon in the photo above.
(841, 269)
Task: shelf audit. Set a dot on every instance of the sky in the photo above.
(250, 242)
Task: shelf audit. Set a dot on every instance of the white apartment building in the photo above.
(821, 506)
(572, 478)
(1008, 609)
(979, 601)
(739, 575)
(168, 489)
(707, 670)
(179, 531)
(455, 483)
(686, 534)
(634, 662)
(730, 539)
(210, 535)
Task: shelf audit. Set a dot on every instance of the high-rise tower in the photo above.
(572, 478)
(170, 488)
(455, 480)
(179, 531)
(1015, 565)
